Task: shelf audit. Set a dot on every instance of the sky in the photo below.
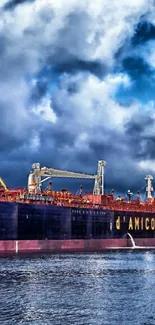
(77, 85)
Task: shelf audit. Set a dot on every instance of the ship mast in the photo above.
(149, 187)
(99, 181)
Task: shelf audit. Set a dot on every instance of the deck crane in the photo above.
(3, 184)
(41, 174)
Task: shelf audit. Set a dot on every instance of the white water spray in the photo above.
(134, 246)
(132, 240)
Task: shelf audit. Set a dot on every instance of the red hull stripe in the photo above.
(73, 245)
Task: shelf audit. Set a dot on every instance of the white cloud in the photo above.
(116, 22)
(147, 165)
(2, 3)
(45, 111)
(35, 143)
(94, 104)
(147, 53)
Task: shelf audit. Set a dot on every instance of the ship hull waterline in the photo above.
(73, 245)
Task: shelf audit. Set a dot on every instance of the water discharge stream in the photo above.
(134, 246)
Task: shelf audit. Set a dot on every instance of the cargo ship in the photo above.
(37, 220)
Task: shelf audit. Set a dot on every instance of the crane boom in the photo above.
(35, 177)
(3, 184)
(64, 173)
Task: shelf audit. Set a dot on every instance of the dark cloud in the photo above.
(51, 75)
(142, 76)
(71, 51)
(138, 124)
(75, 65)
(133, 57)
(136, 67)
(39, 90)
(144, 31)
(141, 137)
(10, 5)
(8, 142)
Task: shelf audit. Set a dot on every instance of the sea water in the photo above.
(84, 289)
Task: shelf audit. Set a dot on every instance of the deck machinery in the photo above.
(40, 175)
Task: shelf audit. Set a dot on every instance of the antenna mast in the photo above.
(149, 187)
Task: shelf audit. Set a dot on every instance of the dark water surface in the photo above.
(94, 289)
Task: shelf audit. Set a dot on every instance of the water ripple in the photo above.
(81, 289)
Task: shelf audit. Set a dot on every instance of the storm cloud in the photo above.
(77, 85)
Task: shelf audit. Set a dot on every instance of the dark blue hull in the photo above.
(34, 221)
(21, 221)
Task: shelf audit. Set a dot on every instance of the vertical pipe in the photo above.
(102, 180)
(16, 246)
(148, 186)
